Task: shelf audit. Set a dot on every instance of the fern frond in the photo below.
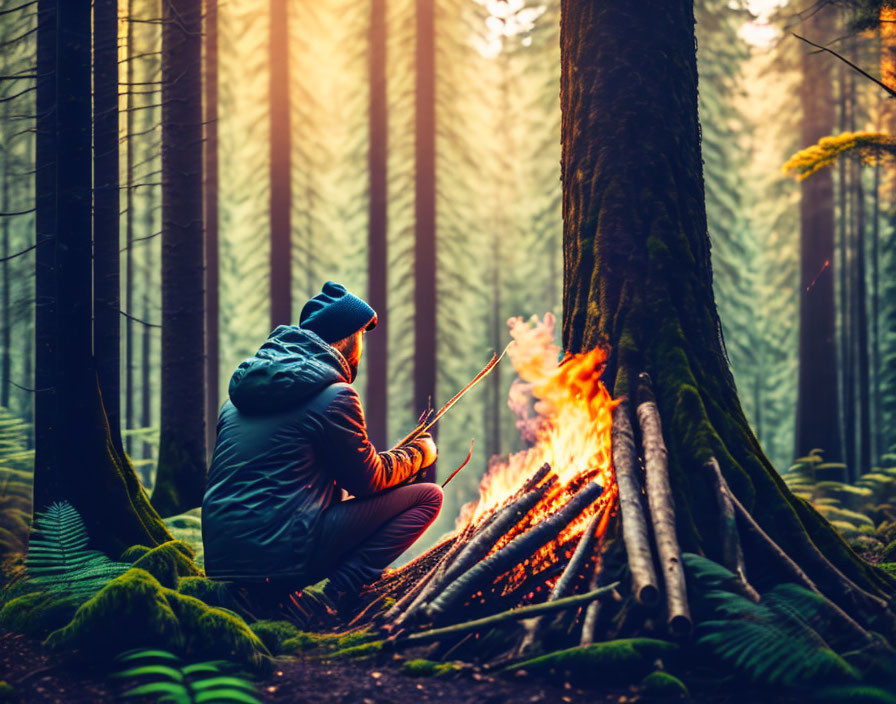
(58, 557)
(171, 680)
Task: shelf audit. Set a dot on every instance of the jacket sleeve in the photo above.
(354, 462)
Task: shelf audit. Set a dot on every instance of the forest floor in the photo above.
(43, 677)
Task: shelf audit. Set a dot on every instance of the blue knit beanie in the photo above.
(334, 314)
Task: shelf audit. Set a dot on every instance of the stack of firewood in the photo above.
(511, 565)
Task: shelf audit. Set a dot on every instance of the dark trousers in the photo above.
(359, 538)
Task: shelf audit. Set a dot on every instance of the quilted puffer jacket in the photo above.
(291, 435)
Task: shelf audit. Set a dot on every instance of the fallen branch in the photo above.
(634, 525)
(794, 571)
(517, 614)
(732, 552)
(514, 552)
(662, 508)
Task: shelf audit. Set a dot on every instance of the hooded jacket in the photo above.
(289, 438)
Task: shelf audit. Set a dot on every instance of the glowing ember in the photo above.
(569, 429)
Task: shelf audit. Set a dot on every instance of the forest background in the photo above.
(323, 100)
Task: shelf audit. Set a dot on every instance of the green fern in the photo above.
(59, 559)
(168, 679)
(774, 642)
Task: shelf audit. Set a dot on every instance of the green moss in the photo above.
(325, 642)
(274, 634)
(212, 592)
(135, 610)
(169, 562)
(7, 691)
(38, 613)
(429, 668)
(619, 661)
(134, 553)
(662, 684)
(358, 652)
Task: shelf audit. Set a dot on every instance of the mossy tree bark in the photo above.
(76, 460)
(180, 477)
(638, 278)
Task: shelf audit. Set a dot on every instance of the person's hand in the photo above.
(427, 446)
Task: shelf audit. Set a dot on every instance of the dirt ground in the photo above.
(38, 676)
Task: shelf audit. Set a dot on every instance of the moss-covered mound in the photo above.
(662, 685)
(617, 661)
(136, 610)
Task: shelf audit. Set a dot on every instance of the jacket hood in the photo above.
(292, 366)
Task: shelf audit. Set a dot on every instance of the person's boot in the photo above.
(311, 608)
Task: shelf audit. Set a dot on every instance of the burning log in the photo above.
(473, 550)
(732, 552)
(662, 508)
(564, 584)
(519, 548)
(634, 525)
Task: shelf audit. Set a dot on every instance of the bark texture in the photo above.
(637, 273)
(281, 270)
(425, 213)
(211, 221)
(106, 278)
(377, 346)
(180, 478)
(78, 462)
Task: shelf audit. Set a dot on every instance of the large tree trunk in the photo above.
(375, 403)
(106, 258)
(281, 284)
(81, 464)
(211, 221)
(180, 477)
(425, 289)
(817, 422)
(638, 279)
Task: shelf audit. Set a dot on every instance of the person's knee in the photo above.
(431, 498)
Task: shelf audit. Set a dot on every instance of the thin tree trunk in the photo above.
(861, 306)
(281, 285)
(876, 418)
(846, 359)
(5, 282)
(211, 221)
(130, 306)
(46, 430)
(637, 274)
(106, 257)
(180, 477)
(816, 416)
(425, 289)
(377, 347)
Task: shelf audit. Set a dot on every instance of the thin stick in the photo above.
(510, 615)
(662, 508)
(732, 552)
(634, 525)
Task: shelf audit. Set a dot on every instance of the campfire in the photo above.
(540, 538)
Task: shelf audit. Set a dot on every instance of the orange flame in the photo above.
(570, 430)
